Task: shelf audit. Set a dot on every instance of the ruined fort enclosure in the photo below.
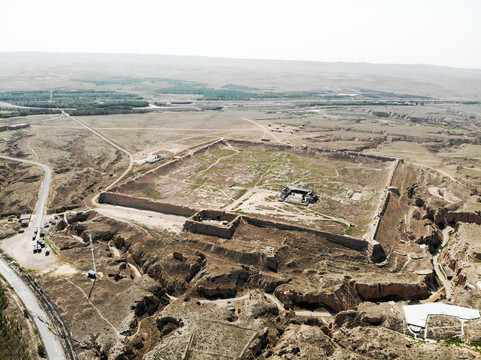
(248, 178)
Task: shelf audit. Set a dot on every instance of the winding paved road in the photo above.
(50, 340)
(43, 195)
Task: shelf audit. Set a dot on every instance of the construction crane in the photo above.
(92, 273)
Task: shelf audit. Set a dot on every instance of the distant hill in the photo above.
(40, 71)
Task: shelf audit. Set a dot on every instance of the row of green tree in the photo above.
(13, 346)
(82, 102)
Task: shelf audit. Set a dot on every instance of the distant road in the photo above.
(7, 105)
(50, 340)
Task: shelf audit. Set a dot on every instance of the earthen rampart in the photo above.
(214, 223)
(385, 197)
(144, 204)
(350, 242)
(321, 151)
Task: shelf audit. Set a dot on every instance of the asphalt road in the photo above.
(50, 340)
(42, 198)
(52, 344)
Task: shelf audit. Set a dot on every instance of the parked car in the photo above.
(47, 251)
(41, 243)
(36, 248)
(34, 236)
(35, 230)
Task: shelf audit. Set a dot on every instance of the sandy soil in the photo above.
(149, 218)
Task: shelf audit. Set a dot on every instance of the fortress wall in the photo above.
(350, 242)
(375, 248)
(195, 224)
(354, 154)
(197, 227)
(321, 151)
(251, 143)
(145, 204)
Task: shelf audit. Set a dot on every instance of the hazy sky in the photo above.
(439, 32)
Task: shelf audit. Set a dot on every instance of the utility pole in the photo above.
(93, 255)
(92, 273)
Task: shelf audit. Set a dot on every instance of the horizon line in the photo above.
(234, 58)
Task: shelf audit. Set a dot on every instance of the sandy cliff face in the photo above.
(466, 236)
(348, 294)
(467, 217)
(384, 291)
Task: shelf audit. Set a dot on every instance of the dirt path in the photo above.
(439, 171)
(249, 193)
(212, 165)
(437, 266)
(266, 130)
(131, 158)
(96, 309)
(135, 271)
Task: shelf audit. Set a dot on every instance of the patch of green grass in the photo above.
(152, 194)
(240, 194)
(220, 152)
(455, 340)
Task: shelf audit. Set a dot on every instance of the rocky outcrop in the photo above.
(260, 309)
(433, 240)
(441, 215)
(351, 293)
(223, 284)
(467, 217)
(461, 243)
(353, 318)
(341, 298)
(168, 324)
(392, 291)
(148, 305)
